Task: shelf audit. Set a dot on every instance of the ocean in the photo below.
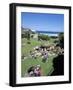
(50, 34)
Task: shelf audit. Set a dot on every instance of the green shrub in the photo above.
(43, 37)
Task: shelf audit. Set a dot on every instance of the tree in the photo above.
(28, 35)
(43, 37)
(61, 40)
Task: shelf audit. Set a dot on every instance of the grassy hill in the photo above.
(47, 67)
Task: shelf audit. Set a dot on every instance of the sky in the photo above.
(43, 21)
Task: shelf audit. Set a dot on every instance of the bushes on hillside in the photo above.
(61, 40)
(43, 37)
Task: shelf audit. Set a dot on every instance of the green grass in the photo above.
(29, 47)
(47, 67)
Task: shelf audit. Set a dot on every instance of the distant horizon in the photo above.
(43, 22)
(44, 31)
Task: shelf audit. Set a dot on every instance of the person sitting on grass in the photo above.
(37, 71)
(31, 71)
(34, 71)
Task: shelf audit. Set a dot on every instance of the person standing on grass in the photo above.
(45, 56)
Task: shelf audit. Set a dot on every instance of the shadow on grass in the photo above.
(58, 64)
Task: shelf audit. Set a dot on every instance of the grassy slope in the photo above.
(27, 47)
(46, 67)
(27, 63)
